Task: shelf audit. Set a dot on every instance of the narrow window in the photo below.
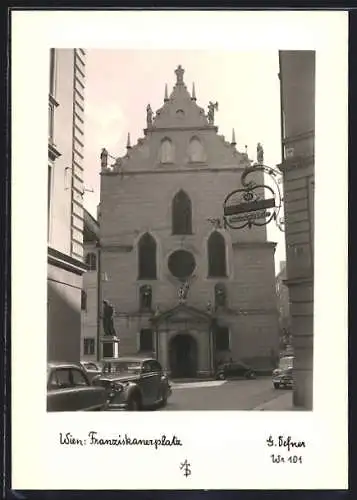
(222, 338)
(88, 346)
(147, 257)
(181, 214)
(195, 150)
(91, 261)
(146, 340)
(167, 153)
(216, 255)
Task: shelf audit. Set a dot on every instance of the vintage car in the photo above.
(69, 389)
(91, 368)
(283, 375)
(134, 383)
(234, 369)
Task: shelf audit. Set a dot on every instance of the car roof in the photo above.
(127, 359)
(63, 364)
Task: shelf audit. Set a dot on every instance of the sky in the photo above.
(120, 84)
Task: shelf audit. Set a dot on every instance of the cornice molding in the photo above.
(53, 152)
(298, 137)
(66, 262)
(296, 162)
(116, 248)
(52, 100)
(180, 170)
(254, 244)
(180, 129)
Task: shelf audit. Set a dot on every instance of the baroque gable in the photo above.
(179, 135)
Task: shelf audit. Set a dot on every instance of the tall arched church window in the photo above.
(195, 150)
(91, 261)
(181, 214)
(216, 255)
(147, 257)
(167, 151)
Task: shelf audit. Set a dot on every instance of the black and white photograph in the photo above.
(177, 220)
(167, 283)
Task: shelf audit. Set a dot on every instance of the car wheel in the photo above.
(134, 404)
(221, 376)
(276, 386)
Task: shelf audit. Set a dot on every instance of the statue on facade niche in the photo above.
(108, 322)
(149, 114)
(260, 154)
(183, 291)
(104, 158)
(211, 108)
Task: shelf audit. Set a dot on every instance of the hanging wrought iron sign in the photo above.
(255, 204)
(246, 207)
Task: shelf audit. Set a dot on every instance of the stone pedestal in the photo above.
(109, 347)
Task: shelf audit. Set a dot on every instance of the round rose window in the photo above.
(181, 264)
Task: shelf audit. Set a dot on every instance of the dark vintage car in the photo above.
(234, 370)
(134, 383)
(283, 375)
(69, 389)
(91, 368)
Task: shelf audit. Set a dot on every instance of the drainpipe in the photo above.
(99, 293)
(157, 343)
(282, 131)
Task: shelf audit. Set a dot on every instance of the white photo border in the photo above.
(227, 450)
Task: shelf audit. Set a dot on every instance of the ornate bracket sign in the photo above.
(254, 204)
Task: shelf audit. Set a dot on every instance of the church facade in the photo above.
(184, 289)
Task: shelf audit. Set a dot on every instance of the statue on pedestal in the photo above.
(210, 115)
(260, 154)
(182, 292)
(149, 114)
(104, 158)
(108, 322)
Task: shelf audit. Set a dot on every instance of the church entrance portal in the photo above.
(183, 356)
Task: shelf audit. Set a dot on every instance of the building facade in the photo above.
(297, 79)
(184, 289)
(65, 203)
(282, 293)
(90, 294)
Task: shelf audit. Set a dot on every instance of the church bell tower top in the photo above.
(179, 75)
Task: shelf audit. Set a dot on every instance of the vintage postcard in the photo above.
(184, 278)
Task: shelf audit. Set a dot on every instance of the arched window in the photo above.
(195, 150)
(216, 255)
(145, 297)
(147, 257)
(181, 214)
(220, 295)
(91, 261)
(167, 151)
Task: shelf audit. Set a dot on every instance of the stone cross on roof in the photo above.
(179, 74)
